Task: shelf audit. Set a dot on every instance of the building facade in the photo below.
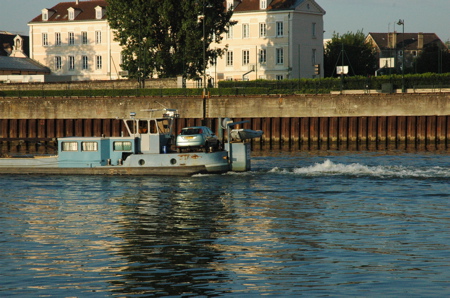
(75, 41)
(394, 48)
(274, 40)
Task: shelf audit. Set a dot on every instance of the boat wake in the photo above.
(382, 171)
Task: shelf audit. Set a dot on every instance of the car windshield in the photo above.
(191, 131)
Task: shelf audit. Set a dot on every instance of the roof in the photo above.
(86, 8)
(21, 64)
(7, 41)
(253, 5)
(410, 40)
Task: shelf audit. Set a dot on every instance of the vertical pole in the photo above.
(342, 69)
(402, 22)
(204, 66)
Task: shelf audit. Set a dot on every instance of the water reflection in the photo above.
(329, 224)
(168, 237)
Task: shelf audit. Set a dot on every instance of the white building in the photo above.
(278, 39)
(75, 41)
(273, 39)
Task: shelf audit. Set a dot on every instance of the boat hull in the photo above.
(173, 164)
(153, 171)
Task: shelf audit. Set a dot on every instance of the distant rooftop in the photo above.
(410, 40)
(85, 11)
(21, 64)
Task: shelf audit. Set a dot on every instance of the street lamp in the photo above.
(402, 22)
(203, 18)
(204, 52)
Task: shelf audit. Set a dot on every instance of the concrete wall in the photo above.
(91, 85)
(234, 107)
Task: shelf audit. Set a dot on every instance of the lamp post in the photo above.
(402, 22)
(203, 17)
(204, 53)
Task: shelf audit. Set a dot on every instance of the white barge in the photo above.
(146, 150)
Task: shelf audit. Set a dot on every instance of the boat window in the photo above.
(122, 146)
(89, 146)
(131, 124)
(164, 126)
(69, 146)
(143, 126)
(153, 127)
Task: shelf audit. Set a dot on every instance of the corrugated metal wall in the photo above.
(306, 133)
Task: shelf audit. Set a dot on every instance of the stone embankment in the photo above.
(302, 119)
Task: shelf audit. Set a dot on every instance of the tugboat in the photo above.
(145, 150)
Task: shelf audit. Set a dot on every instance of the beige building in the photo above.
(75, 41)
(274, 40)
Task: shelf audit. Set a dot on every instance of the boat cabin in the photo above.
(142, 136)
(94, 151)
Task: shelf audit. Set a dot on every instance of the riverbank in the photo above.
(304, 121)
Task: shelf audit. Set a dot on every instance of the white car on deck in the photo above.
(197, 137)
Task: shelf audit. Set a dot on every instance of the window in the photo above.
(45, 16)
(262, 29)
(262, 56)
(245, 31)
(98, 60)
(262, 4)
(98, 37)
(71, 62)
(98, 12)
(122, 146)
(58, 63)
(279, 77)
(229, 58)
(280, 57)
(45, 39)
(85, 62)
(71, 38)
(230, 32)
(84, 37)
(280, 29)
(71, 14)
(313, 56)
(245, 57)
(313, 28)
(69, 146)
(89, 146)
(57, 38)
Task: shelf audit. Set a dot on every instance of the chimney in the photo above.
(420, 41)
(77, 2)
(392, 40)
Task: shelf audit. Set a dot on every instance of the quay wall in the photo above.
(367, 105)
(306, 121)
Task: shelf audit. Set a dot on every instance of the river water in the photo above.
(300, 223)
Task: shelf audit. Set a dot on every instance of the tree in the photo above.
(357, 54)
(165, 37)
(433, 59)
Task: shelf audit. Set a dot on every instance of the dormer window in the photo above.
(45, 14)
(230, 4)
(262, 4)
(71, 13)
(99, 12)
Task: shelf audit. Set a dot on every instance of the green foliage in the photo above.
(264, 87)
(433, 59)
(165, 37)
(353, 50)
